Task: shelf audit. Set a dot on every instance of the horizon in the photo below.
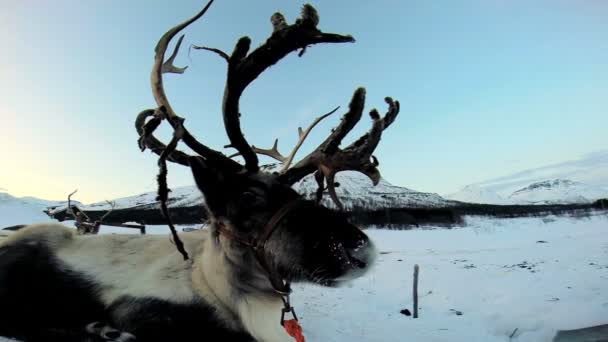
(602, 154)
(487, 88)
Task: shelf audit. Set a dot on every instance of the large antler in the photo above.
(243, 68)
(328, 158)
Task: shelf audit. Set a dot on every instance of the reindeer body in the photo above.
(53, 279)
(230, 282)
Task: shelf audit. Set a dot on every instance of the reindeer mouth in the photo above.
(356, 262)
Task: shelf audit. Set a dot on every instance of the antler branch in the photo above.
(245, 67)
(112, 206)
(328, 158)
(271, 152)
(157, 69)
(214, 50)
(302, 135)
(69, 211)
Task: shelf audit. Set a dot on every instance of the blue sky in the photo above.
(487, 87)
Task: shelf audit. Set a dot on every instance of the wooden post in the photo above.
(416, 268)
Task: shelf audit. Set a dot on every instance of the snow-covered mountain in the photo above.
(577, 181)
(22, 210)
(476, 194)
(557, 191)
(355, 190)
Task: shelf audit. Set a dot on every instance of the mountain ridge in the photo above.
(581, 180)
(355, 191)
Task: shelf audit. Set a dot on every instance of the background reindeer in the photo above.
(234, 283)
(85, 225)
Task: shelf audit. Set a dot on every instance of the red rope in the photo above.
(294, 330)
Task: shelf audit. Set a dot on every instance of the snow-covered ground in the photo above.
(533, 275)
(522, 277)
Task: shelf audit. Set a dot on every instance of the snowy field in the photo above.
(494, 280)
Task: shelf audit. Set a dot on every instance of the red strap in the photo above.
(294, 330)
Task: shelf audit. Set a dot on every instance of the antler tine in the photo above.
(214, 50)
(69, 210)
(302, 135)
(348, 122)
(328, 158)
(367, 143)
(274, 151)
(271, 152)
(165, 111)
(161, 67)
(330, 146)
(112, 206)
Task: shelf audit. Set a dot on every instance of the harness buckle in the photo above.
(287, 308)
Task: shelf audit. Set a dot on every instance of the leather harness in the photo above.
(258, 245)
(280, 286)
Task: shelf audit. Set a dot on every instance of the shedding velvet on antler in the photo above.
(328, 158)
(243, 67)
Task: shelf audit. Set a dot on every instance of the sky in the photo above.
(487, 87)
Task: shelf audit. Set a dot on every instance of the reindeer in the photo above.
(230, 282)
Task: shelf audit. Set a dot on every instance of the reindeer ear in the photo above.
(214, 183)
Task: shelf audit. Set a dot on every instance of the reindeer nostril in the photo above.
(357, 246)
(111, 334)
(361, 253)
(356, 260)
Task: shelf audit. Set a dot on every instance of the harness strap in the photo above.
(280, 286)
(274, 221)
(222, 230)
(258, 245)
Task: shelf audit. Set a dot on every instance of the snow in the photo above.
(536, 275)
(355, 190)
(554, 191)
(588, 175)
(477, 270)
(591, 169)
(557, 191)
(476, 194)
(14, 210)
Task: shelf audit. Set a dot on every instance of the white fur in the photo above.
(261, 317)
(52, 234)
(150, 265)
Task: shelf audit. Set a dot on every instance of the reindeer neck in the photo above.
(227, 275)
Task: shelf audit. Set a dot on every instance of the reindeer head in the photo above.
(255, 211)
